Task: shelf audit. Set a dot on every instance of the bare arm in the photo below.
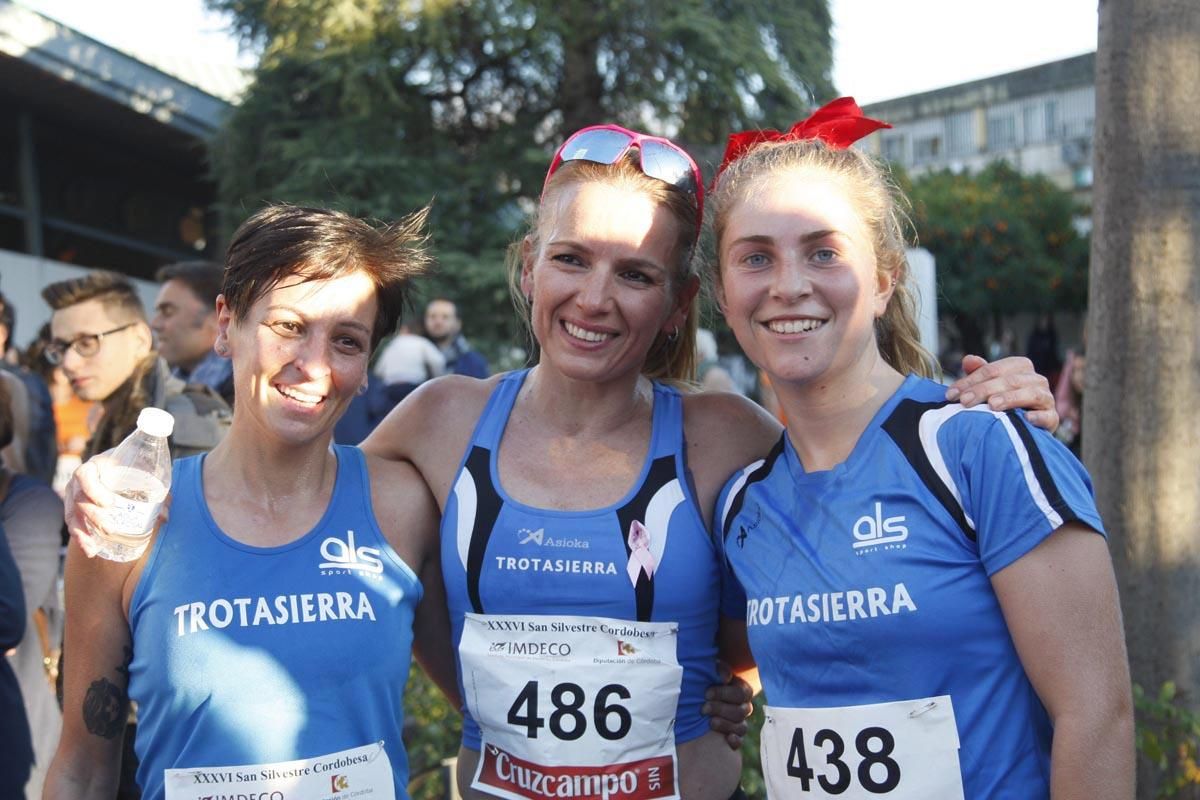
(98, 650)
(431, 428)
(409, 518)
(1004, 385)
(1060, 603)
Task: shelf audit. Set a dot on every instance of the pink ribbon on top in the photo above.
(640, 557)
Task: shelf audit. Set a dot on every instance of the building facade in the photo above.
(1039, 119)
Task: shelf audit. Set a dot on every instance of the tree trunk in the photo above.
(1143, 366)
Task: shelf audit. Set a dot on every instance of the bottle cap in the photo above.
(155, 422)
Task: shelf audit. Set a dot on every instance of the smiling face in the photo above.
(799, 284)
(300, 354)
(600, 276)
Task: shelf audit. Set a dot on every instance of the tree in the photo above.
(379, 106)
(1004, 243)
(1143, 369)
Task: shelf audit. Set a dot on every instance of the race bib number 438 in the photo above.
(578, 707)
(905, 750)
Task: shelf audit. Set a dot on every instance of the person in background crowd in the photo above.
(31, 516)
(72, 414)
(1068, 396)
(444, 329)
(40, 449)
(325, 559)
(709, 372)
(185, 322)
(406, 362)
(1042, 348)
(16, 745)
(100, 337)
(930, 598)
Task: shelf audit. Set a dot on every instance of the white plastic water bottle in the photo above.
(139, 473)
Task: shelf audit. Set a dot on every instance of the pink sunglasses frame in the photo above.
(635, 140)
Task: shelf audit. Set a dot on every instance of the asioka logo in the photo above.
(873, 531)
(539, 537)
(342, 557)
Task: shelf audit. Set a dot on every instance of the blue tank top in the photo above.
(256, 655)
(870, 582)
(500, 556)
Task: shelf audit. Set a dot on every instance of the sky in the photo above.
(882, 48)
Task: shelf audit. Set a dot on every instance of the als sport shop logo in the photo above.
(343, 558)
(876, 531)
(526, 536)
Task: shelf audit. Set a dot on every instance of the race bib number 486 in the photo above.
(906, 750)
(578, 707)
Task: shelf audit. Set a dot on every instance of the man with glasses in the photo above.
(100, 337)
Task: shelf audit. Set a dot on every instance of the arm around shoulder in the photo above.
(409, 518)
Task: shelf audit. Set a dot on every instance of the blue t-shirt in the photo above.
(500, 556)
(870, 582)
(256, 655)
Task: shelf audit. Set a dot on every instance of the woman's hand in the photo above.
(85, 503)
(729, 705)
(1006, 384)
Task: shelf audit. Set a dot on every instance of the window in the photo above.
(1029, 125)
(927, 149)
(1052, 120)
(1002, 132)
(960, 139)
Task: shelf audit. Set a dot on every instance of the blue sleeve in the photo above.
(1019, 484)
(472, 365)
(733, 597)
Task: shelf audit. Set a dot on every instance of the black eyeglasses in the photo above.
(85, 344)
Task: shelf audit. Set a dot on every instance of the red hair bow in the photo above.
(839, 124)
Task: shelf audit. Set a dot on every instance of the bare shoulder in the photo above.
(438, 407)
(404, 507)
(725, 432)
(728, 424)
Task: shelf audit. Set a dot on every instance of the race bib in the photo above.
(363, 772)
(907, 750)
(579, 707)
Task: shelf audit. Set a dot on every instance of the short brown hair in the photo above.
(113, 290)
(203, 278)
(320, 244)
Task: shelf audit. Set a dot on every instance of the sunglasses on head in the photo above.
(659, 158)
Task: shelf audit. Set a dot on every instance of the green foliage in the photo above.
(752, 779)
(1004, 242)
(378, 107)
(1168, 735)
(431, 733)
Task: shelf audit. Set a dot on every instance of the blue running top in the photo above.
(870, 582)
(500, 556)
(257, 655)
